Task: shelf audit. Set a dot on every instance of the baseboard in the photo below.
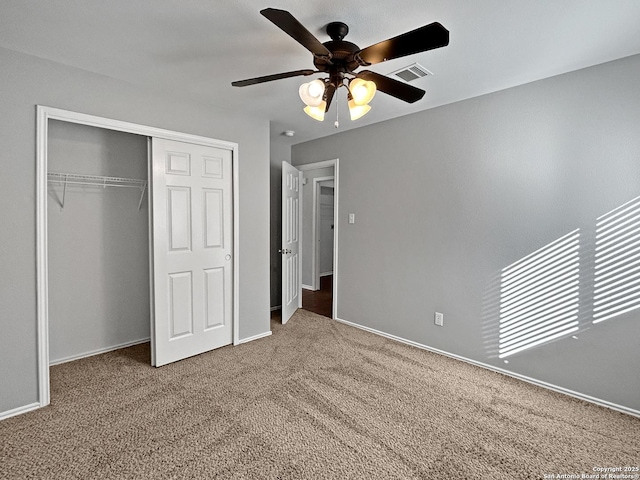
(326, 274)
(307, 287)
(98, 352)
(19, 411)
(255, 337)
(277, 307)
(524, 378)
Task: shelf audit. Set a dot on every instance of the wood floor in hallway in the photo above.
(320, 301)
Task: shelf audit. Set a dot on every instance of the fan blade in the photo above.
(270, 78)
(419, 40)
(395, 88)
(287, 23)
(331, 89)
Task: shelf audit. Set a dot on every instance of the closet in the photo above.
(98, 240)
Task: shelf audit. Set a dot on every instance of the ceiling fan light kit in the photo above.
(339, 59)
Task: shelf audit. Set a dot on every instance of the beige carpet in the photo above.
(316, 400)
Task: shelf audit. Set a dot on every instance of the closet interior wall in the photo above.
(98, 244)
(325, 233)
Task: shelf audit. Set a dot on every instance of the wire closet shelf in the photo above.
(64, 179)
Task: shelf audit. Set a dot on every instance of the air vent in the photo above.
(412, 72)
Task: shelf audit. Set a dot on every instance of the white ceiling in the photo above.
(196, 48)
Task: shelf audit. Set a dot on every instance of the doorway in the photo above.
(207, 166)
(319, 237)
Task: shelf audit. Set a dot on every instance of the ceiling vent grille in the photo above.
(412, 72)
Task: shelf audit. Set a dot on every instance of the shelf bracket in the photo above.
(64, 192)
(144, 187)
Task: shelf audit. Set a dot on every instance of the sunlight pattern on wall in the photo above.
(617, 271)
(539, 296)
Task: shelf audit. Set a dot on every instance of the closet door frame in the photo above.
(44, 114)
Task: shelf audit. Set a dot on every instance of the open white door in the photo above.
(192, 245)
(291, 222)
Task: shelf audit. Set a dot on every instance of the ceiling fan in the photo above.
(339, 59)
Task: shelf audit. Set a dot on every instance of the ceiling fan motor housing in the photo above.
(342, 57)
(342, 52)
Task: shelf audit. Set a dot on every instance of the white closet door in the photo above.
(192, 249)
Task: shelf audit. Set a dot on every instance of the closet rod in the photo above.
(95, 181)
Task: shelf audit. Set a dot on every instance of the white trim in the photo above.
(51, 113)
(42, 262)
(19, 411)
(539, 383)
(300, 247)
(326, 274)
(98, 351)
(316, 165)
(255, 337)
(43, 115)
(277, 307)
(152, 300)
(308, 287)
(236, 243)
(336, 223)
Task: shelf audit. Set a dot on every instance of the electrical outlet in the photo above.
(439, 319)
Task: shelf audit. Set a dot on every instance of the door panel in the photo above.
(179, 218)
(180, 306)
(213, 217)
(192, 249)
(291, 213)
(215, 299)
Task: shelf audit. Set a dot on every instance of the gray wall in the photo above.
(28, 81)
(445, 199)
(98, 243)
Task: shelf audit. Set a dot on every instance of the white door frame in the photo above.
(44, 114)
(335, 163)
(315, 251)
